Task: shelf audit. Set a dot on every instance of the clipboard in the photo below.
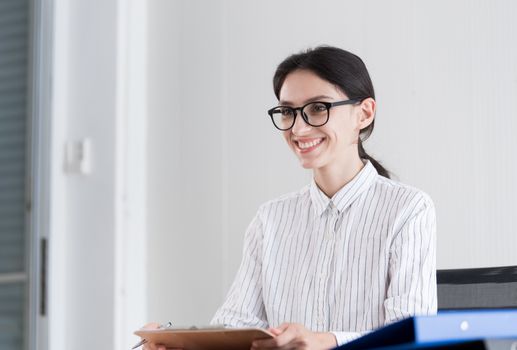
(205, 338)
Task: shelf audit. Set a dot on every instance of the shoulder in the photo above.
(405, 197)
(407, 204)
(283, 203)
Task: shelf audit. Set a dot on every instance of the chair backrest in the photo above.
(481, 288)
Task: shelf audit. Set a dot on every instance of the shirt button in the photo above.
(320, 320)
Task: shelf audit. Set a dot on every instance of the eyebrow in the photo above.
(312, 99)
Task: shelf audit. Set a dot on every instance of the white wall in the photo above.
(446, 79)
(185, 141)
(97, 220)
(81, 242)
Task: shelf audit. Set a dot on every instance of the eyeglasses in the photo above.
(313, 113)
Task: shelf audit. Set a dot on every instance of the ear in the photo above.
(366, 113)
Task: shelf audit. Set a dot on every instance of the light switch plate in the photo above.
(78, 156)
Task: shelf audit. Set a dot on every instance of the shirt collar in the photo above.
(347, 194)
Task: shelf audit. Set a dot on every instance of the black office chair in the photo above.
(482, 288)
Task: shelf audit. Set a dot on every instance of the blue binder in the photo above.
(448, 327)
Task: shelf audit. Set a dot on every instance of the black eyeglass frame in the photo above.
(294, 110)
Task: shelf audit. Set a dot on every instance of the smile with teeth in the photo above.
(308, 145)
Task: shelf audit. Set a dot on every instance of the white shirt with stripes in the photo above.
(347, 264)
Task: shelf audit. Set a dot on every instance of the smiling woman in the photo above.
(352, 250)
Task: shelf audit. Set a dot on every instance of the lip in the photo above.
(306, 140)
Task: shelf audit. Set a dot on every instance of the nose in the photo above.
(300, 126)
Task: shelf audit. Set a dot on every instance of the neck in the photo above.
(332, 178)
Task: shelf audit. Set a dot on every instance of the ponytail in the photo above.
(363, 155)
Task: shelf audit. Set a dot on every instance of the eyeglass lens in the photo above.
(314, 114)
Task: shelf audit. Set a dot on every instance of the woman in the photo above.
(351, 251)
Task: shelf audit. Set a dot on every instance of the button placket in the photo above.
(328, 241)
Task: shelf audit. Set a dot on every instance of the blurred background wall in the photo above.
(171, 97)
(445, 75)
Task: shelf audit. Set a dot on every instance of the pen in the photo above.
(143, 341)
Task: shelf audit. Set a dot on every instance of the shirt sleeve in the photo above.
(243, 306)
(345, 337)
(412, 265)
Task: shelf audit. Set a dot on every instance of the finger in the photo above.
(275, 331)
(279, 330)
(286, 336)
(264, 344)
(151, 346)
(152, 325)
(290, 346)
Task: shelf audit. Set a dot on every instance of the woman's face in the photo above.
(334, 143)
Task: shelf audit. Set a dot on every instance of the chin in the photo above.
(309, 164)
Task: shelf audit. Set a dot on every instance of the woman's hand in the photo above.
(296, 336)
(153, 346)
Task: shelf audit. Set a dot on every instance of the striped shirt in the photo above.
(347, 264)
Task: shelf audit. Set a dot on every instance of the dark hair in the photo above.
(341, 68)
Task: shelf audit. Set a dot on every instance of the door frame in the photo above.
(38, 174)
